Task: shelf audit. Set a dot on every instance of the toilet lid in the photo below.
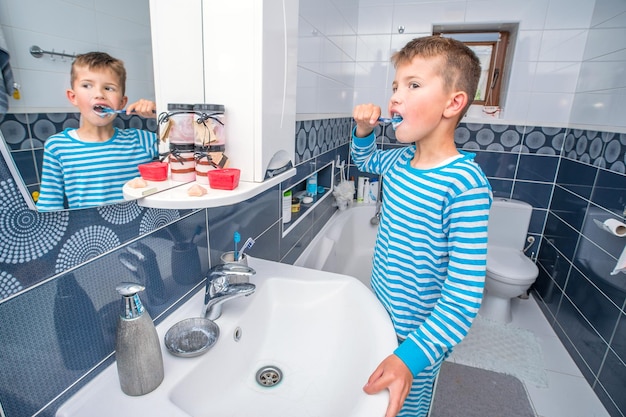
(510, 266)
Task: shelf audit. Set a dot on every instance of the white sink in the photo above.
(324, 332)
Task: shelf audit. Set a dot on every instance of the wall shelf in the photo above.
(325, 178)
(177, 197)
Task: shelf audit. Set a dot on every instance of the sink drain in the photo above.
(269, 376)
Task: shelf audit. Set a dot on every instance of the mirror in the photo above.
(62, 29)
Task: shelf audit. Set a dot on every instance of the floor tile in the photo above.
(556, 357)
(566, 396)
(568, 393)
(527, 315)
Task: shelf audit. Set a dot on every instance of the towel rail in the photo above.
(37, 52)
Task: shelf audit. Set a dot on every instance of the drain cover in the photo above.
(269, 376)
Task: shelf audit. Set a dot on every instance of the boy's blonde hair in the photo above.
(460, 69)
(100, 61)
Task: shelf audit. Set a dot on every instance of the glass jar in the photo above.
(207, 159)
(181, 120)
(182, 162)
(211, 126)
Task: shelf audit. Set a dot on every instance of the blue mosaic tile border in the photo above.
(601, 149)
(501, 138)
(27, 131)
(315, 137)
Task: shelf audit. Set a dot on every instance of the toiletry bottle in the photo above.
(311, 185)
(360, 189)
(373, 190)
(287, 206)
(366, 190)
(137, 346)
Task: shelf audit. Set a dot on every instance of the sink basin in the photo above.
(302, 345)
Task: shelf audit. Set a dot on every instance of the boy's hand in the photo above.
(366, 118)
(143, 108)
(394, 375)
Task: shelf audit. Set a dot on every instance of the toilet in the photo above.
(510, 273)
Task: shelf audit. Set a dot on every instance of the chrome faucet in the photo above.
(219, 289)
(376, 219)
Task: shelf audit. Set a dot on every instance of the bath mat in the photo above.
(502, 348)
(464, 391)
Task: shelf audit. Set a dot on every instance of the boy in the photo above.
(88, 166)
(431, 249)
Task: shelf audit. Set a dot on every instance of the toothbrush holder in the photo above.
(229, 258)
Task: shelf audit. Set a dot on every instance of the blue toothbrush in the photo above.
(237, 239)
(395, 119)
(106, 111)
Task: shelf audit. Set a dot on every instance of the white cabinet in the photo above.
(250, 61)
(242, 54)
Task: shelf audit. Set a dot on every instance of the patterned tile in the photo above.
(89, 251)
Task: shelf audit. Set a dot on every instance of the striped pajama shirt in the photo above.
(430, 256)
(90, 174)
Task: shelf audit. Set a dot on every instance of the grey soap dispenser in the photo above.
(137, 346)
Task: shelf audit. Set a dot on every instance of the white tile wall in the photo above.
(568, 68)
(74, 27)
(344, 51)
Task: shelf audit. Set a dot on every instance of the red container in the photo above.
(153, 171)
(224, 179)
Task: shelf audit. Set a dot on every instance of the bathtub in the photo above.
(345, 245)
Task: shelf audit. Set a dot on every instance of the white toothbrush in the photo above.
(247, 245)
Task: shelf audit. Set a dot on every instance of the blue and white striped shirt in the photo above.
(431, 250)
(92, 173)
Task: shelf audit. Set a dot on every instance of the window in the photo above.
(490, 47)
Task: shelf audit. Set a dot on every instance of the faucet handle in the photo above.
(218, 284)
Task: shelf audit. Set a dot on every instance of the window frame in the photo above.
(495, 72)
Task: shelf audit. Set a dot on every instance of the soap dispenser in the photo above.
(137, 346)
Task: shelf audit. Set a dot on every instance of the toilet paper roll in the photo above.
(615, 227)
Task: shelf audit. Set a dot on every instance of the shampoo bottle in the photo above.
(137, 346)
(287, 206)
(366, 190)
(311, 185)
(360, 190)
(373, 190)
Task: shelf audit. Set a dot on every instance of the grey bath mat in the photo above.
(464, 391)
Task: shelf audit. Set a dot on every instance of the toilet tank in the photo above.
(508, 223)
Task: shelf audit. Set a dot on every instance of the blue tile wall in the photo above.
(54, 263)
(584, 302)
(58, 271)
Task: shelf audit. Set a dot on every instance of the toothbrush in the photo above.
(394, 119)
(237, 239)
(247, 245)
(106, 111)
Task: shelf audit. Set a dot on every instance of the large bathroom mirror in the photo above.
(62, 29)
(74, 27)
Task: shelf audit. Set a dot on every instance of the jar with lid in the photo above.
(180, 121)
(211, 126)
(182, 162)
(207, 159)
